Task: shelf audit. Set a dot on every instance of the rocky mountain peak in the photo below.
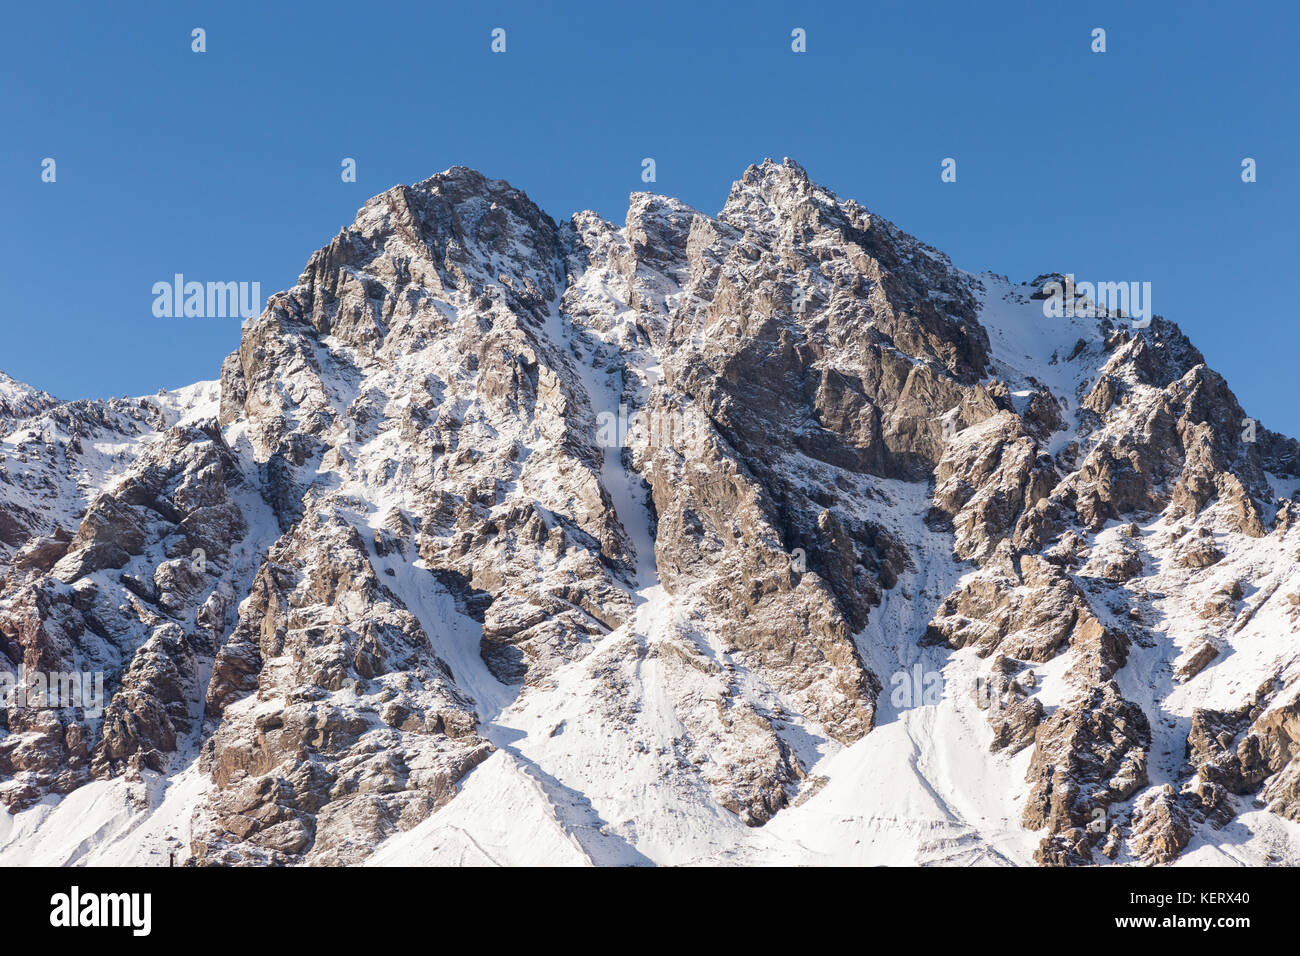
(770, 535)
(20, 401)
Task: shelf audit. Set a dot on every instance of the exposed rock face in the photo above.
(633, 522)
(1088, 755)
(354, 719)
(1162, 825)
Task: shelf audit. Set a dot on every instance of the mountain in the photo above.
(766, 537)
(21, 401)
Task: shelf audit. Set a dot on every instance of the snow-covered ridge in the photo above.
(931, 577)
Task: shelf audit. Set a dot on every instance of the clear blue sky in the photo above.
(225, 165)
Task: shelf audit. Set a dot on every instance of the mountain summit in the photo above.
(763, 537)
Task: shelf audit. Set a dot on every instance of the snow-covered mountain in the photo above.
(766, 537)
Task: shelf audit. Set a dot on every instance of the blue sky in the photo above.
(225, 165)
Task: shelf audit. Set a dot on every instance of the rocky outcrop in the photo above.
(1090, 754)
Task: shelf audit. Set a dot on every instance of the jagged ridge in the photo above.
(640, 527)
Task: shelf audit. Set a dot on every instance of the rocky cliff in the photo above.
(769, 536)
